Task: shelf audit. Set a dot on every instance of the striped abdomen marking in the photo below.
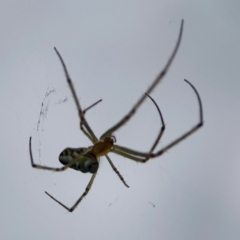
(86, 163)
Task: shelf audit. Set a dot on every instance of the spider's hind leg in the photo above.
(34, 165)
(80, 199)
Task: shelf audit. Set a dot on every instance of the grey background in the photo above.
(113, 50)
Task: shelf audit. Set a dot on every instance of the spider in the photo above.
(88, 159)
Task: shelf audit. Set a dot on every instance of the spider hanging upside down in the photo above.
(87, 159)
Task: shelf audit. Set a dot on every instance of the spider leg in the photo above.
(116, 171)
(80, 199)
(143, 157)
(131, 156)
(81, 123)
(94, 104)
(149, 90)
(161, 130)
(117, 149)
(126, 152)
(88, 132)
(51, 168)
(191, 131)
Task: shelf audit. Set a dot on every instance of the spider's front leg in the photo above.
(158, 79)
(143, 157)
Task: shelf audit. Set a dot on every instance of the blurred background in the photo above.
(113, 51)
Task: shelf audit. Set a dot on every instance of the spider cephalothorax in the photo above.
(103, 146)
(88, 159)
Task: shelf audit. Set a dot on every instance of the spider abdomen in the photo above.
(86, 163)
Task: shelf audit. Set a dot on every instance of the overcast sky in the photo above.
(113, 51)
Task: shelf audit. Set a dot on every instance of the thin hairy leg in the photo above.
(154, 84)
(80, 199)
(88, 130)
(143, 157)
